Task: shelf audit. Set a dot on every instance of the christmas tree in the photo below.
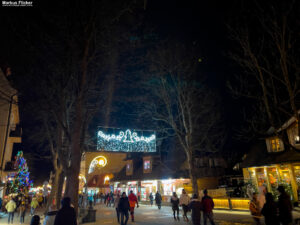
(20, 182)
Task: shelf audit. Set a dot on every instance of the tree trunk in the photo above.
(55, 194)
(60, 185)
(192, 173)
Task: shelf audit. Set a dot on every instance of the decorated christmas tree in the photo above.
(20, 182)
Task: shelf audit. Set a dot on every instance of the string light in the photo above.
(127, 141)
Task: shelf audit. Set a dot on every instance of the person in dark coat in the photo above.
(270, 211)
(35, 220)
(208, 205)
(195, 206)
(66, 215)
(285, 207)
(151, 198)
(124, 208)
(158, 200)
(175, 205)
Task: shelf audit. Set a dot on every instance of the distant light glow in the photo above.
(126, 141)
(98, 162)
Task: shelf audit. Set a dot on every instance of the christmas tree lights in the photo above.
(20, 182)
(128, 141)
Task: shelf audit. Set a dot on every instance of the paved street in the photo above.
(146, 215)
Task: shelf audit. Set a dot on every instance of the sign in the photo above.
(127, 140)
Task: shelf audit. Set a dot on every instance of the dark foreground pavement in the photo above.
(147, 215)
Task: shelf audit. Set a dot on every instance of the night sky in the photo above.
(200, 22)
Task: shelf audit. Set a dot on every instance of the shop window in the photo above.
(273, 177)
(261, 177)
(147, 165)
(274, 145)
(297, 174)
(129, 168)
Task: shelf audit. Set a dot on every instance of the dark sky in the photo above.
(199, 21)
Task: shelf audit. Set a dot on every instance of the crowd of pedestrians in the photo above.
(20, 204)
(275, 213)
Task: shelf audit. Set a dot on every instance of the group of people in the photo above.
(20, 204)
(65, 215)
(125, 204)
(275, 213)
(197, 206)
(158, 199)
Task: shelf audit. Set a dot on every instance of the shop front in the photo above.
(166, 187)
(272, 176)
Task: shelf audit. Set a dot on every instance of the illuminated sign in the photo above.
(117, 140)
(98, 162)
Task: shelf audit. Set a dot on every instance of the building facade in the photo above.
(275, 161)
(10, 131)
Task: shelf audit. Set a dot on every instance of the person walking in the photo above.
(184, 201)
(34, 204)
(22, 211)
(67, 214)
(11, 207)
(151, 198)
(132, 201)
(285, 207)
(50, 216)
(124, 207)
(196, 206)
(175, 205)
(254, 209)
(270, 210)
(158, 200)
(208, 206)
(117, 200)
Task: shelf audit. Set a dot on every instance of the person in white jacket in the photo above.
(50, 216)
(184, 201)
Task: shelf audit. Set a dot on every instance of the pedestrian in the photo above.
(132, 201)
(35, 220)
(254, 209)
(261, 198)
(158, 200)
(11, 207)
(175, 205)
(34, 204)
(139, 196)
(117, 200)
(208, 206)
(50, 216)
(270, 211)
(285, 207)
(66, 215)
(184, 201)
(95, 199)
(124, 207)
(196, 206)
(22, 211)
(151, 198)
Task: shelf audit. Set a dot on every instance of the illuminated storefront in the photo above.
(272, 176)
(166, 187)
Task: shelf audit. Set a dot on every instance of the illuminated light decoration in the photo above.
(126, 141)
(82, 177)
(106, 179)
(98, 162)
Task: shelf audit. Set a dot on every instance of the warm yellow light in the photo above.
(101, 162)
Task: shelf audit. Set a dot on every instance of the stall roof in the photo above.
(259, 156)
